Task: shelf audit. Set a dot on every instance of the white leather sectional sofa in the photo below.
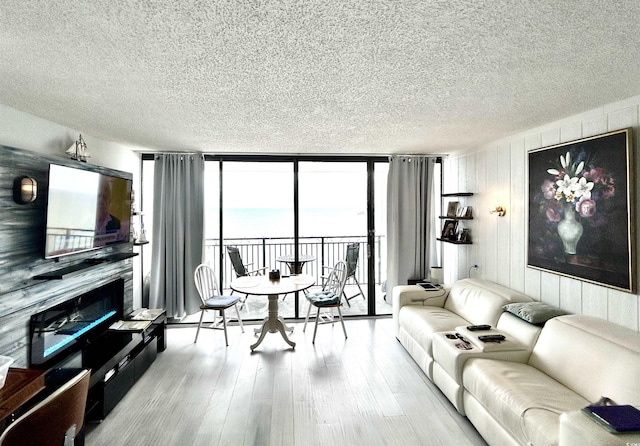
(529, 388)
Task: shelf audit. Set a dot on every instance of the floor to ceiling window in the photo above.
(333, 219)
(338, 204)
(257, 219)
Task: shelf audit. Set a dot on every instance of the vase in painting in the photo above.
(570, 230)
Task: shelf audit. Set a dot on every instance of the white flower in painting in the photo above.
(583, 188)
(566, 186)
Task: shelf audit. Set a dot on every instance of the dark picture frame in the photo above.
(580, 208)
(452, 208)
(449, 229)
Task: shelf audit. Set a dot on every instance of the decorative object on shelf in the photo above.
(25, 190)
(139, 237)
(580, 210)
(501, 211)
(464, 236)
(78, 150)
(449, 229)
(437, 275)
(452, 209)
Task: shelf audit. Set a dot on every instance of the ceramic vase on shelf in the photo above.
(570, 230)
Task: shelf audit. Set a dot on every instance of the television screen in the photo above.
(85, 211)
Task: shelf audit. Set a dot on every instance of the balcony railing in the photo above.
(262, 252)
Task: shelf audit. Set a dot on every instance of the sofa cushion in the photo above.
(422, 322)
(481, 301)
(524, 400)
(536, 313)
(569, 346)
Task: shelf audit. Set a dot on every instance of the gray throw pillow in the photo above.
(536, 313)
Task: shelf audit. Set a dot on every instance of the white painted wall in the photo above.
(24, 131)
(497, 174)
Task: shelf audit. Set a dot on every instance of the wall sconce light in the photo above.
(25, 190)
(498, 210)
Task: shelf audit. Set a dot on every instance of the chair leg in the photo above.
(355, 295)
(358, 283)
(346, 298)
(199, 325)
(239, 318)
(243, 301)
(224, 326)
(342, 322)
(315, 328)
(307, 318)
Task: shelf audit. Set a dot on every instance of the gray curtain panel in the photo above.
(177, 233)
(410, 212)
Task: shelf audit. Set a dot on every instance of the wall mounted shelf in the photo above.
(458, 194)
(456, 218)
(69, 271)
(454, 242)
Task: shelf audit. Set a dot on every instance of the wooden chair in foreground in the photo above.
(56, 420)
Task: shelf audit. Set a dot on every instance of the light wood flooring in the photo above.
(365, 390)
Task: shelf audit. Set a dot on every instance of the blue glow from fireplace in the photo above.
(77, 334)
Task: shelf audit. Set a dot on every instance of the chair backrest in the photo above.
(56, 420)
(353, 251)
(206, 282)
(337, 279)
(236, 261)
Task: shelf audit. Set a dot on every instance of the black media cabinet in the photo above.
(77, 334)
(117, 359)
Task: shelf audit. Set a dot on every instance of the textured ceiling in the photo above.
(332, 76)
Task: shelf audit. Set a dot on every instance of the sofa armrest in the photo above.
(416, 295)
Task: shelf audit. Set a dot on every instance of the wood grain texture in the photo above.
(22, 254)
(365, 390)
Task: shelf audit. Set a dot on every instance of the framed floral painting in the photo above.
(581, 216)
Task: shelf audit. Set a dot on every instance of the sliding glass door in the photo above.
(258, 220)
(322, 209)
(333, 220)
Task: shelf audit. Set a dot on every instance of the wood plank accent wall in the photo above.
(497, 173)
(22, 254)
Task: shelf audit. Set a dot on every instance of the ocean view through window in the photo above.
(254, 202)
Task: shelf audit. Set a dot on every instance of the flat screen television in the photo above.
(86, 210)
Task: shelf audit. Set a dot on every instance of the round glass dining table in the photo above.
(263, 286)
